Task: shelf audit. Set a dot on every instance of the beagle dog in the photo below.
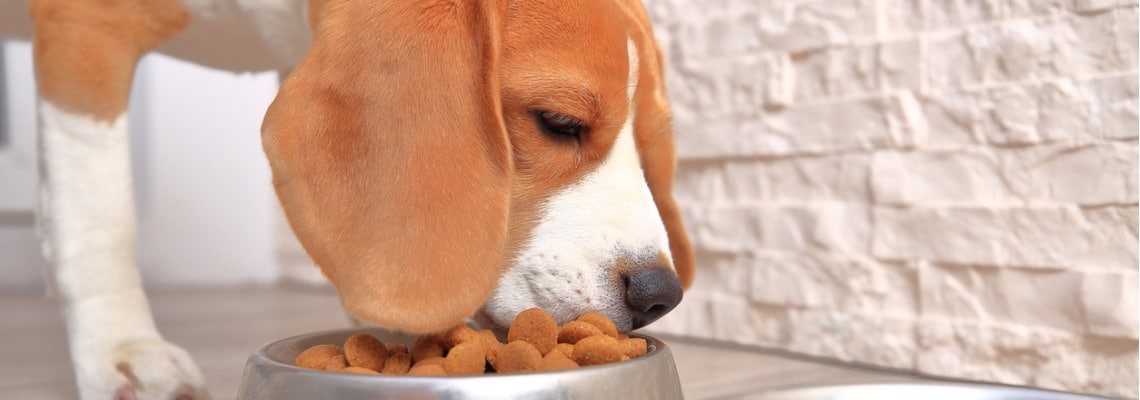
(439, 160)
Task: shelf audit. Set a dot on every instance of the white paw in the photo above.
(142, 369)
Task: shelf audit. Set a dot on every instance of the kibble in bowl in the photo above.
(464, 363)
(592, 339)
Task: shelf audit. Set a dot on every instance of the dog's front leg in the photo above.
(87, 226)
(85, 60)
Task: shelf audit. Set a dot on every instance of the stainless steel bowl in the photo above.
(910, 391)
(269, 374)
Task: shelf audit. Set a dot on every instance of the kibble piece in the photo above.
(634, 347)
(428, 370)
(596, 350)
(574, 331)
(429, 361)
(359, 371)
(427, 346)
(489, 338)
(397, 364)
(566, 349)
(493, 355)
(554, 361)
(394, 348)
(336, 363)
(460, 334)
(517, 356)
(466, 359)
(536, 327)
(604, 324)
(365, 351)
(317, 356)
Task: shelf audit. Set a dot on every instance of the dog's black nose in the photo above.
(650, 294)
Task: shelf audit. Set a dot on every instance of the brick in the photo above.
(918, 177)
(901, 18)
(940, 14)
(717, 29)
(798, 130)
(858, 70)
(739, 87)
(675, 11)
(1022, 355)
(1084, 174)
(813, 280)
(950, 15)
(1102, 108)
(1094, 6)
(1096, 303)
(841, 22)
(1040, 237)
(713, 38)
(723, 273)
(840, 177)
(696, 90)
(865, 338)
(1019, 50)
(1110, 110)
(1109, 302)
(829, 282)
(780, 90)
(746, 228)
(1107, 41)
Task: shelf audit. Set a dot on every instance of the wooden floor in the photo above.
(220, 327)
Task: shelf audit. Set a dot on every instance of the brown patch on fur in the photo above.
(86, 50)
(573, 65)
(391, 159)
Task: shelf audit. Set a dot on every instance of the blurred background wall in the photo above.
(942, 186)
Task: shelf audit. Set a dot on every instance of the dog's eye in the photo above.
(558, 125)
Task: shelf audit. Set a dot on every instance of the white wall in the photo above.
(205, 199)
(940, 186)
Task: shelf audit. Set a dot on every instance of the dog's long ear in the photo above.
(655, 139)
(659, 162)
(390, 157)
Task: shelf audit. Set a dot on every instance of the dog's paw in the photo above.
(143, 369)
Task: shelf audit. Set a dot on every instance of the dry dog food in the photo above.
(534, 343)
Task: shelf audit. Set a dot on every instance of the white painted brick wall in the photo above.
(942, 186)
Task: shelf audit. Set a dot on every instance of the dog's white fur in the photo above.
(87, 216)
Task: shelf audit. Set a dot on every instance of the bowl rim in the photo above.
(656, 348)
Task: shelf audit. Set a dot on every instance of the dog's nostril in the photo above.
(650, 294)
(657, 308)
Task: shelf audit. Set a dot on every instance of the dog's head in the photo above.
(442, 159)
